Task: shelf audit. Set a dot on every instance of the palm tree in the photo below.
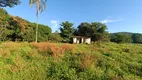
(40, 7)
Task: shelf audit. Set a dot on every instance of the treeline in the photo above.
(97, 32)
(17, 29)
(126, 37)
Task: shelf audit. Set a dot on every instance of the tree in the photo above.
(18, 25)
(137, 38)
(44, 32)
(84, 29)
(17, 29)
(4, 25)
(67, 31)
(40, 7)
(121, 38)
(95, 30)
(55, 37)
(9, 3)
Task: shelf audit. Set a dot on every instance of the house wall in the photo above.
(74, 40)
(78, 41)
(88, 41)
(82, 40)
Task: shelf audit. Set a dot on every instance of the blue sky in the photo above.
(118, 15)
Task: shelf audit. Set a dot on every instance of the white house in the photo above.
(81, 39)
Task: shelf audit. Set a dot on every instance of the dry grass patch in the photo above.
(53, 49)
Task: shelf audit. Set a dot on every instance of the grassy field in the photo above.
(55, 61)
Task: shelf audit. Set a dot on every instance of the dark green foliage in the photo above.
(95, 30)
(137, 38)
(67, 31)
(84, 29)
(4, 25)
(9, 3)
(121, 38)
(126, 37)
(43, 32)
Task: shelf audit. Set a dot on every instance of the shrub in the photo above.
(68, 47)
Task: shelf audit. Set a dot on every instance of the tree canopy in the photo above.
(121, 38)
(9, 3)
(126, 37)
(95, 30)
(17, 29)
(67, 31)
(137, 38)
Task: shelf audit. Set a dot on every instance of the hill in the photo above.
(128, 36)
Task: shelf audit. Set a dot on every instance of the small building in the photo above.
(81, 39)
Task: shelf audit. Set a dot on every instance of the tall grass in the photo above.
(57, 61)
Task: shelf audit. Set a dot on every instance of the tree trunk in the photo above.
(36, 29)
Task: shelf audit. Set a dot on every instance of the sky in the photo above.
(118, 15)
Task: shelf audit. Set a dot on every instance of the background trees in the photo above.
(17, 29)
(14, 28)
(137, 38)
(95, 30)
(126, 37)
(9, 3)
(67, 31)
(121, 38)
(55, 37)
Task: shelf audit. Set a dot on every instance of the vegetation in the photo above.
(17, 29)
(102, 60)
(55, 37)
(40, 6)
(137, 38)
(67, 31)
(95, 30)
(52, 61)
(9, 3)
(121, 38)
(126, 37)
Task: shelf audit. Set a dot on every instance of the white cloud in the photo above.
(54, 23)
(110, 21)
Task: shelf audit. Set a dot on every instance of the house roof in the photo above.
(80, 37)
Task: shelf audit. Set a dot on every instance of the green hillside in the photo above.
(52, 61)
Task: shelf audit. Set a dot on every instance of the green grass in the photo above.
(55, 61)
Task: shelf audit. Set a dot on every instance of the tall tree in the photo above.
(67, 31)
(95, 30)
(9, 3)
(40, 7)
